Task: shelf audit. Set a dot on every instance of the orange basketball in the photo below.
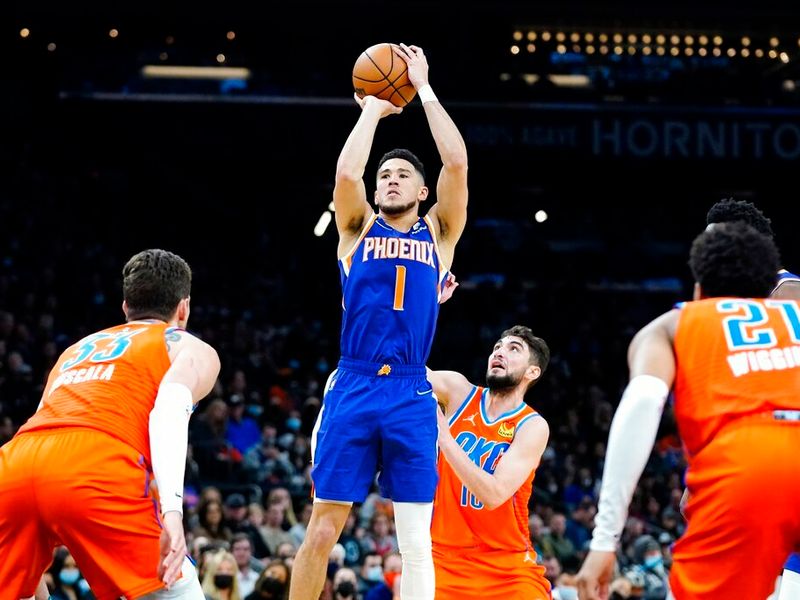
(380, 72)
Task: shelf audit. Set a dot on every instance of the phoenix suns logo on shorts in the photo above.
(506, 430)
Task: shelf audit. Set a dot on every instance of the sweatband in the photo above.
(426, 94)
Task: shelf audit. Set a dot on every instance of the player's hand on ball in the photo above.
(387, 108)
(417, 64)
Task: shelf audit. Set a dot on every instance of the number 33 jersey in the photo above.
(108, 381)
(391, 285)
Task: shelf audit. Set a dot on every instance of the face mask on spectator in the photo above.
(374, 573)
(389, 579)
(69, 576)
(223, 582)
(272, 587)
(345, 589)
(653, 561)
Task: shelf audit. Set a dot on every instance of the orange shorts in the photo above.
(488, 575)
(743, 517)
(86, 490)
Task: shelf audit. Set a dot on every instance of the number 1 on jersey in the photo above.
(399, 287)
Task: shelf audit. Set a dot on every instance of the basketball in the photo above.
(380, 72)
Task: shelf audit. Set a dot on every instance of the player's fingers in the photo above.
(603, 592)
(587, 589)
(172, 568)
(417, 50)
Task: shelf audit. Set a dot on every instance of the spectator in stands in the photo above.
(345, 585)
(556, 543)
(379, 539)
(371, 573)
(273, 584)
(248, 567)
(237, 521)
(298, 530)
(220, 582)
(210, 522)
(272, 531)
(392, 567)
(241, 431)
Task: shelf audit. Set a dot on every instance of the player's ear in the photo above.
(183, 312)
(125, 309)
(532, 373)
(423, 193)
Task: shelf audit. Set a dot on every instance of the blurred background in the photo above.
(599, 134)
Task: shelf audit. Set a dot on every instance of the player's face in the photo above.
(508, 363)
(399, 187)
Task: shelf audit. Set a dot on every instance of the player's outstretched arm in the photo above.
(451, 389)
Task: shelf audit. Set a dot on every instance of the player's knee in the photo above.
(321, 537)
(416, 548)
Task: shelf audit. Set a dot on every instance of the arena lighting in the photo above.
(187, 72)
(530, 78)
(322, 225)
(571, 81)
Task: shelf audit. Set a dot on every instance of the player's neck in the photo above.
(402, 222)
(499, 402)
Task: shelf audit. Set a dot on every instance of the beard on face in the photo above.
(395, 209)
(505, 381)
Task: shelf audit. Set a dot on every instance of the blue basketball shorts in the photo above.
(376, 418)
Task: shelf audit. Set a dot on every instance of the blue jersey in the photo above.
(391, 284)
(785, 276)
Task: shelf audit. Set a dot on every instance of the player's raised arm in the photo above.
(450, 211)
(349, 193)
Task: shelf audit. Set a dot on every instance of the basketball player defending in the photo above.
(116, 405)
(787, 288)
(491, 443)
(379, 409)
(732, 359)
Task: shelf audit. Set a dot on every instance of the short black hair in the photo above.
(153, 283)
(730, 209)
(734, 259)
(540, 352)
(405, 155)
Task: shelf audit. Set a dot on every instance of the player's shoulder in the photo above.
(787, 286)
(531, 416)
(178, 338)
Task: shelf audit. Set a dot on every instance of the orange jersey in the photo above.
(108, 381)
(735, 357)
(460, 519)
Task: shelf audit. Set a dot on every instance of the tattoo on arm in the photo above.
(172, 336)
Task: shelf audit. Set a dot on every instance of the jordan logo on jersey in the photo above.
(471, 418)
(506, 430)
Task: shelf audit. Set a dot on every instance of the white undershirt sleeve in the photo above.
(169, 436)
(630, 442)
